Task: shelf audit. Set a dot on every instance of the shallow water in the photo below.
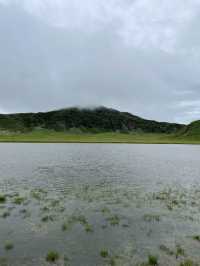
(80, 199)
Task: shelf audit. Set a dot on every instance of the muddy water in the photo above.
(78, 200)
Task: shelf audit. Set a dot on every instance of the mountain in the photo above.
(99, 119)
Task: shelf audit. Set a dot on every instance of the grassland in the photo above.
(45, 136)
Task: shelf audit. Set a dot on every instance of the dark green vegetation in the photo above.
(100, 125)
(2, 198)
(153, 260)
(84, 120)
(104, 253)
(9, 245)
(52, 256)
(191, 131)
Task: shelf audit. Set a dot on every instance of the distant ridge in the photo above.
(99, 119)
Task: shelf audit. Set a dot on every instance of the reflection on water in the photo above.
(99, 204)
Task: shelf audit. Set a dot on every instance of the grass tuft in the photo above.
(19, 200)
(153, 260)
(187, 263)
(8, 245)
(2, 198)
(52, 256)
(104, 253)
(197, 238)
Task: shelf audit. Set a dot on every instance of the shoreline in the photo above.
(98, 138)
(97, 142)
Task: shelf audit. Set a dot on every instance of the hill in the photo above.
(192, 131)
(96, 120)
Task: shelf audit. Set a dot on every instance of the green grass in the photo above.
(47, 136)
(197, 238)
(19, 200)
(153, 260)
(2, 198)
(187, 263)
(104, 253)
(9, 245)
(52, 256)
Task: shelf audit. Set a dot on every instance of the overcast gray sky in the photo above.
(139, 56)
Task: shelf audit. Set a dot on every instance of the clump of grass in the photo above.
(2, 198)
(65, 226)
(170, 207)
(83, 221)
(55, 203)
(113, 220)
(6, 214)
(8, 245)
(36, 195)
(25, 213)
(187, 263)
(151, 218)
(61, 209)
(88, 228)
(52, 256)
(104, 253)
(175, 202)
(47, 218)
(112, 262)
(197, 238)
(166, 250)
(105, 210)
(153, 260)
(179, 251)
(45, 209)
(19, 200)
(77, 219)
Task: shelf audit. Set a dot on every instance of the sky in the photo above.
(138, 56)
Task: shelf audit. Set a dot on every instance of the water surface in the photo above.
(80, 199)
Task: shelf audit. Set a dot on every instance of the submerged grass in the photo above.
(113, 220)
(73, 220)
(19, 200)
(47, 209)
(152, 218)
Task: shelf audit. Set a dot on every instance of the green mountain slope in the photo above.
(100, 119)
(191, 131)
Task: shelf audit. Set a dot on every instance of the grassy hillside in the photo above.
(84, 121)
(191, 131)
(100, 125)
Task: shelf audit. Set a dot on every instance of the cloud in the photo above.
(138, 56)
(140, 22)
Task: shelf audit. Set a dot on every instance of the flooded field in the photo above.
(99, 204)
